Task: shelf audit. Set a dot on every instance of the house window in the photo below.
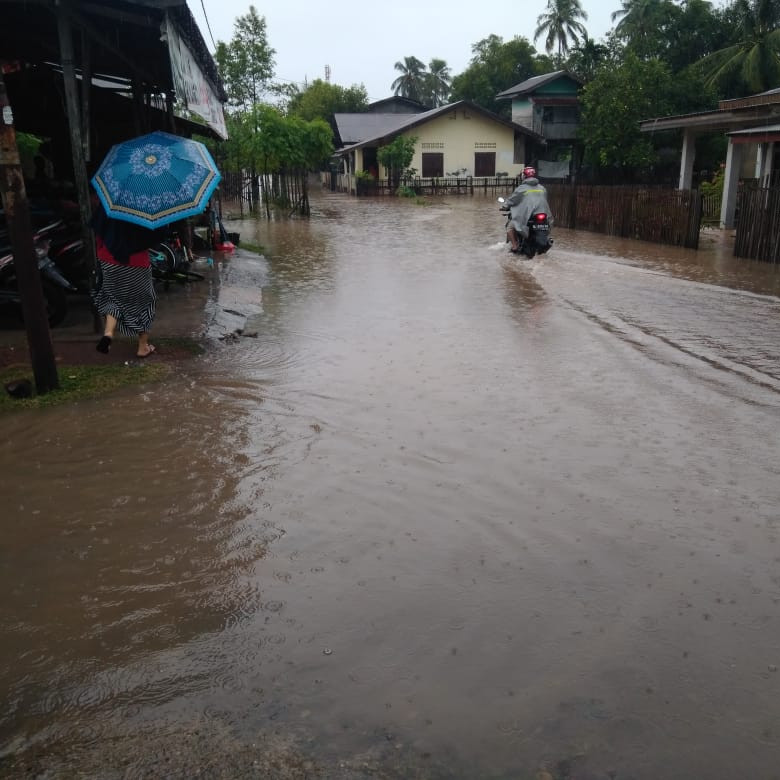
(432, 164)
(484, 163)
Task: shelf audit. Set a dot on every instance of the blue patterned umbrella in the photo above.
(156, 179)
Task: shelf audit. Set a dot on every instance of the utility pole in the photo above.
(17, 215)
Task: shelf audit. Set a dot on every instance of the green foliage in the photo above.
(397, 157)
(287, 143)
(586, 58)
(612, 106)
(561, 23)
(494, 67)
(321, 100)
(246, 64)
(750, 61)
(714, 187)
(411, 83)
(438, 82)
(28, 144)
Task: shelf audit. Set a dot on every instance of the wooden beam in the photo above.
(65, 34)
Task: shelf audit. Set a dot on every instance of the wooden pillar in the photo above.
(86, 94)
(74, 126)
(17, 215)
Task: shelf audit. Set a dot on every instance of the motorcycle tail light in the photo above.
(541, 217)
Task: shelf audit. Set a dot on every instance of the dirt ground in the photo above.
(83, 353)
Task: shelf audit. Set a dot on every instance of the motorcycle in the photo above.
(55, 286)
(539, 240)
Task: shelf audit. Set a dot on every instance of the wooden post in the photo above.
(74, 126)
(17, 215)
(86, 94)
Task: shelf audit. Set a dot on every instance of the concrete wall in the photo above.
(456, 135)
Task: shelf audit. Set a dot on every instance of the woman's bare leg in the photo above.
(110, 326)
(144, 347)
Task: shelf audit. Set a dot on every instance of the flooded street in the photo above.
(450, 515)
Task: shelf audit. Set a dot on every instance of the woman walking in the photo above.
(125, 295)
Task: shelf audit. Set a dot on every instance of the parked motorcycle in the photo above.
(539, 239)
(55, 285)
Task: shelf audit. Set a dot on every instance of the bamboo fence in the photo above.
(758, 224)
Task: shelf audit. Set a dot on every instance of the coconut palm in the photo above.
(638, 18)
(439, 81)
(562, 24)
(754, 60)
(411, 83)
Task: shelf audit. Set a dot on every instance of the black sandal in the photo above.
(104, 345)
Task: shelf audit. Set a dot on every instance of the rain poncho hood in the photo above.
(528, 198)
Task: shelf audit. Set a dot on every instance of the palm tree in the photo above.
(439, 82)
(638, 18)
(754, 60)
(411, 83)
(562, 23)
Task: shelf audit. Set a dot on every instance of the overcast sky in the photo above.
(362, 41)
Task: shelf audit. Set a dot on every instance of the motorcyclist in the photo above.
(528, 198)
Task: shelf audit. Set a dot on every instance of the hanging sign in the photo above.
(192, 87)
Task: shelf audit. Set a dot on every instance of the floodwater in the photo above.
(450, 515)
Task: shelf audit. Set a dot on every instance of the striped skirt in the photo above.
(127, 294)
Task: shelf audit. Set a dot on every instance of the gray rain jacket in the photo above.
(527, 199)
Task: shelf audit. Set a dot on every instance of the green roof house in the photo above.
(549, 106)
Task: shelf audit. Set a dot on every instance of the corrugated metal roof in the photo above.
(529, 85)
(353, 128)
(406, 121)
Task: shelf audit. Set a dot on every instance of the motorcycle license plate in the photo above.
(543, 228)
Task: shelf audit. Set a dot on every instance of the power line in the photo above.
(206, 17)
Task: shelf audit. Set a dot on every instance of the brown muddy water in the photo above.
(450, 514)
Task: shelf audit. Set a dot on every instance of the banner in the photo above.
(191, 86)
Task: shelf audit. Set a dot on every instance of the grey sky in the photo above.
(362, 41)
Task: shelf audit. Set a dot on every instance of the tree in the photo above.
(438, 83)
(751, 63)
(561, 23)
(411, 83)
(695, 31)
(494, 67)
(246, 64)
(612, 106)
(643, 25)
(586, 59)
(321, 100)
(397, 157)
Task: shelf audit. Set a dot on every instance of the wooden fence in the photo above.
(659, 215)
(443, 185)
(758, 225)
(282, 191)
(665, 216)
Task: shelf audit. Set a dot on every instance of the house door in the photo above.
(432, 164)
(484, 163)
